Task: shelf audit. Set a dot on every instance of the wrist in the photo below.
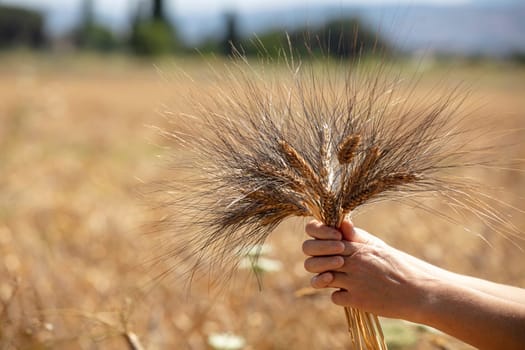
(418, 288)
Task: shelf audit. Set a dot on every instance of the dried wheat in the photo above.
(319, 143)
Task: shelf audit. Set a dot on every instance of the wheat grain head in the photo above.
(301, 139)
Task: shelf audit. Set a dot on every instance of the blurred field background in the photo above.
(78, 146)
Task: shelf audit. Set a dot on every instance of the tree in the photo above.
(152, 34)
(158, 10)
(343, 38)
(231, 40)
(91, 35)
(350, 38)
(19, 26)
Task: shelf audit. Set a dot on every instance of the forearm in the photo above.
(482, 320)
(506, 292)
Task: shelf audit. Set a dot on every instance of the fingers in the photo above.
(331, 279)
(316, 247)
(322, 280)
(343, 296)
(318, 230)
(325, 263)
(321, 248)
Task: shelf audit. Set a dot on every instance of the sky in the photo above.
(189, 6)
(475, 27)
(62, 15)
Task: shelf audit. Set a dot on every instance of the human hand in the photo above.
(370, 275)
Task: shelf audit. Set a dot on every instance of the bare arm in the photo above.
(477, 318)
(375, 277)
(499, 290)
(506, 292)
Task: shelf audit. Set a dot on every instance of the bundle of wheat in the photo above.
(316, 140)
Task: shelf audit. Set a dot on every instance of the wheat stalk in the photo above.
(319, 143)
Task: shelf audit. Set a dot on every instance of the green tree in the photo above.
(342, 38)
(152, 34)
(158, 10)
(93, 36)
(21, 27)
(231, 40)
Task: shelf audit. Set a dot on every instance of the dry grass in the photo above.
(75, 149)
(343, 135)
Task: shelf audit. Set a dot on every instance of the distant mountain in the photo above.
(478, 28)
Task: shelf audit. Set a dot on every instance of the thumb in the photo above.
(354, 234)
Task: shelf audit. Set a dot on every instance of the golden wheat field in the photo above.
(78, 145)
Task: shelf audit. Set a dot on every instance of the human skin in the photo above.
(372, 276)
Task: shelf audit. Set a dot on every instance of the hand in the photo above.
(374, 277)
(371, 275)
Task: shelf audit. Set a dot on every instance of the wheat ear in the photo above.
(309, 143)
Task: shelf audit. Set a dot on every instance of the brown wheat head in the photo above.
(302, 139)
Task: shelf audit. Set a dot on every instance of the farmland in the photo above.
(79, 145)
